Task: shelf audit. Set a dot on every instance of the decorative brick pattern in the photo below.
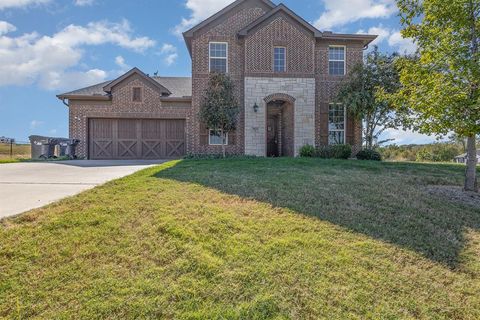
(302, 92)
(281, 31)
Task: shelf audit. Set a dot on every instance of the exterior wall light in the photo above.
(255, 107)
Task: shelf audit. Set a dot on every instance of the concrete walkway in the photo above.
(26, 186)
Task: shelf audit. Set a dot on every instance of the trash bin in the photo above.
(42, 147)
(70, 150)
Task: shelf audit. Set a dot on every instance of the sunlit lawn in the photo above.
(249, 239)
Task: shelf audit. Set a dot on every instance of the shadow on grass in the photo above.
(386, 201)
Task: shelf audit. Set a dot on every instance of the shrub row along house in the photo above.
(285, 73)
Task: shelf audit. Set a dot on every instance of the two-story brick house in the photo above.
(285, 73)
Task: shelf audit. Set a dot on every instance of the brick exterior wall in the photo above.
(326, 89)
(280, 31)
(226, 31)
(122, 106)
(249, 57)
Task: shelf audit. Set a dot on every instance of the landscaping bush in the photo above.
(307, 151)
(339, 151)
(369, 154)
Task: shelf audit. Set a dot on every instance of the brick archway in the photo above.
(279, 96)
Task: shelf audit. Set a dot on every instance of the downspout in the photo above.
(63, 101)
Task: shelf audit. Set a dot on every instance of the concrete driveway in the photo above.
(26, 186)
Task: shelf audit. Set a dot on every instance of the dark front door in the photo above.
(126, 139)
(272, 136)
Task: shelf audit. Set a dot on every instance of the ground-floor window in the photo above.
(336, 124)
(215, 137)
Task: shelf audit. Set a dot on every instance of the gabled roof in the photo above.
(109, 86)
(280, 8)
(179, 88)
(187, 35)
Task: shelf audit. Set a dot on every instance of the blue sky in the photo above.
(52, 46)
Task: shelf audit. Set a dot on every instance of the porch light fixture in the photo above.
(255, 107)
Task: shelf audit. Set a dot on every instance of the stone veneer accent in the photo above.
(302, 90)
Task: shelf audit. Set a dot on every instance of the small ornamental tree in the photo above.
(359, 93)
(219, 108)
(441, 84)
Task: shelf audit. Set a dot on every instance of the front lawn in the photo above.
(249, 239)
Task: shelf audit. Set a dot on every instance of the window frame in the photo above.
(139, 94)
(333, 60)
(216, 144)
(284, 61)
(344, 124)
(210, 55)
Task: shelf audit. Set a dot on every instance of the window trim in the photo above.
(215, 144)
(344, 123)
(139, 95)
(344, 59)
(210, 55)
(285, 59)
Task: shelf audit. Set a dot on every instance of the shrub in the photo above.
(339, 151)
(307, 151)
(369, 154)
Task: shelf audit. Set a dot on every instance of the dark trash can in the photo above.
(71, 148)
(42, 147)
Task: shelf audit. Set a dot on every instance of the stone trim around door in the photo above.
(261, 91)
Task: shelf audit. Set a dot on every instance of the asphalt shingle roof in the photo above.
(179, 86)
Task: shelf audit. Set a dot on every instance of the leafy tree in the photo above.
(359, 94)
(219, 109)
(440, 86)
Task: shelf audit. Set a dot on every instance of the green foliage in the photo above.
(339, 151)
(219, 109)
(369, 154)
(307, 151)
(440, 85)
(359, 92)
(436, 152)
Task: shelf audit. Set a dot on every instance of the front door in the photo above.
(272, 136)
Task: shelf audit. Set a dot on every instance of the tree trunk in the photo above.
(471, 172)
(223, 144)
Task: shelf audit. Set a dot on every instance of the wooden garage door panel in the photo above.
(136, 139)
(101, 138)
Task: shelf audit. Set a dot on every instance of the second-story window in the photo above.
(279, 59)
(336, 60)
(219, 57)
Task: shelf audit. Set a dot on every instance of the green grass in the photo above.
(249, 239)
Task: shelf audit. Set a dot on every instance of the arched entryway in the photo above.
(280, 122)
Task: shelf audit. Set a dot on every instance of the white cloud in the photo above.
(401, 44)
(48, 60)
(381, 32)
(6, 27)
(35, 124)
(72, 79)
(83, 3)
(5, 4)
(340, 12)
(394, 39)
(200, 10)
(120, 61)
(170, 54)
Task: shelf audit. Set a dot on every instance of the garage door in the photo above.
(127, 139)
